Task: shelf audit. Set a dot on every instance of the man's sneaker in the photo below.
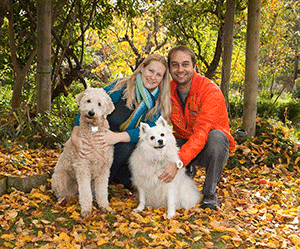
(210, 202)
(190, 171)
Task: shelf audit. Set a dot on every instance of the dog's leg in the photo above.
(85, 191)
(101, 191)
(171, 200)
(142, 201)
(60, 183)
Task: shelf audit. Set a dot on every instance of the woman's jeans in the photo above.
(119, 171)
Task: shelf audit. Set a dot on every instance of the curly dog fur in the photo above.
(74, 175)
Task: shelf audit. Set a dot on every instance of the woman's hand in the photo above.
(82, 146)
(109, 137)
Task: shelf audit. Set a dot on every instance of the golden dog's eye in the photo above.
(152, 137)
(99, 104)
(89, 101)
(162, 134)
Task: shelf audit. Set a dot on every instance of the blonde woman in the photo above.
(141, 97)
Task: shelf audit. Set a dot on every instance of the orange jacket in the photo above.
(205, 110)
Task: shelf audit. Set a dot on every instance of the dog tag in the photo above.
(94, 129)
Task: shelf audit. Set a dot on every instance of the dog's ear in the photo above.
(109, 105)
(80, 96)
(143, 128)
(161, 121)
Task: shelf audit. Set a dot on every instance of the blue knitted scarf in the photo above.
(146, 101)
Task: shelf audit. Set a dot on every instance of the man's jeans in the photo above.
(213, 157)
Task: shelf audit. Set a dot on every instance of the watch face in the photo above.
(179, 164)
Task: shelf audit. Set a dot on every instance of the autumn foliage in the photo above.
(258, 193)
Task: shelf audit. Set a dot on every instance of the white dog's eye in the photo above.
(152, 137)
(162, 134)
(99, 104)
(89, 101)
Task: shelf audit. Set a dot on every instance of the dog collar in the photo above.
(94, 129)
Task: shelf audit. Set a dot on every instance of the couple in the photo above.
(194, 105)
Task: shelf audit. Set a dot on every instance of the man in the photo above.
(200, 123)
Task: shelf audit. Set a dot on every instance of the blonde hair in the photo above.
(163, 103)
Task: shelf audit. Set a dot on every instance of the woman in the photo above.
(140, 97)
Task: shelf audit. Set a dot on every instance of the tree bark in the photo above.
(252, 62)
(227, 49)
(20, 72)
(43, 56)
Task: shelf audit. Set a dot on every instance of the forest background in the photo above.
(93, 42)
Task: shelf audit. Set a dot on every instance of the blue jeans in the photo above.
(213, 157)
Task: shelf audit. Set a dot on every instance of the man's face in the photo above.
(181, 68)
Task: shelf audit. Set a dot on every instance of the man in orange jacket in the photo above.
(200, 123)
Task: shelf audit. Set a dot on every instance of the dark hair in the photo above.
(182, 48)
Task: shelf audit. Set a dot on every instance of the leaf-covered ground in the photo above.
(260, 206)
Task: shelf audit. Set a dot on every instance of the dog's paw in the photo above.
(104, 209)
(170, 215)
(84, 214)
(138, 210)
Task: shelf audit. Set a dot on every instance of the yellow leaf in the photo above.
(295, 239)
(75, 215)
(237, 241)
(232, 230)
(71, 209)
(102, 241)
(252, 210)
(273, 243)
(181, 243)
(8, 244)
(26, 238)
(11, 214)
(209, 244)
(7, 236)
(216, 226)
(62, 237)
(118, 243)
(145, 220)
(40, 233)
(226, 237)
(143, 240)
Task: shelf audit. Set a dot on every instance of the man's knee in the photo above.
(217, 142)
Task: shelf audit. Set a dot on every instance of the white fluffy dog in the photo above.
(155, 149)
(73, 174)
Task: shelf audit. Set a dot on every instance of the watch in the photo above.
(179, 164)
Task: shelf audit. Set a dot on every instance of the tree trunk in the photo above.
(227, 49)
(20, 72)
(43, 56)
(295, 74)
(251, 71)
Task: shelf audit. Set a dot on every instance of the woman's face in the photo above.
(153, 74)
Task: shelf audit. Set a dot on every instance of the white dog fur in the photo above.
(155, 149)
(73, 174)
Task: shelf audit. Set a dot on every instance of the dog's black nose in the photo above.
(91, 113)
(160, 141)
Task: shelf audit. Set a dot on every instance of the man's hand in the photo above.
(169, 174)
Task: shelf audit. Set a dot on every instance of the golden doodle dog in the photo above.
(74, 175)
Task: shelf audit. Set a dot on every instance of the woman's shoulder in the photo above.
(115, 95)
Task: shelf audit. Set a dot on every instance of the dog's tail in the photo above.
(189, 193)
